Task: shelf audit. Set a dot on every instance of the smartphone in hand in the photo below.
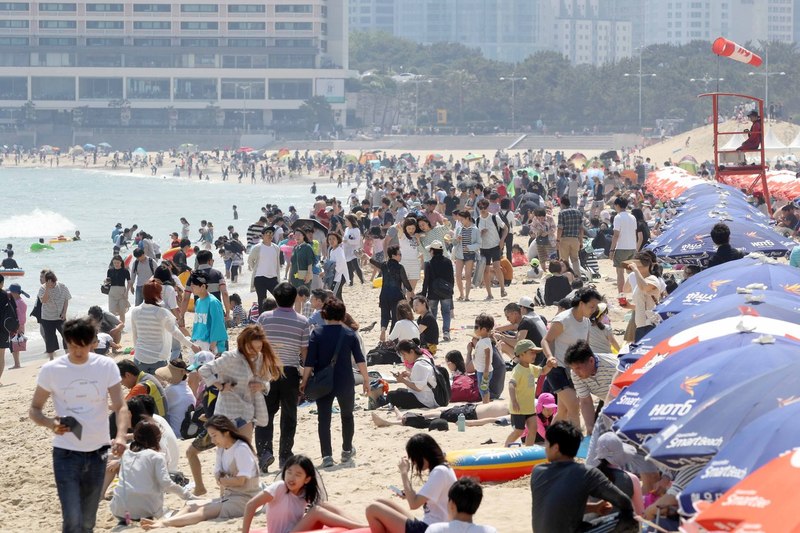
(399, 493)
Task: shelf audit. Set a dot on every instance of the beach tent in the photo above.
(795, 142)
(76, 150)
(140, 152)
(735, 141)
(771, 142)
(472, 157)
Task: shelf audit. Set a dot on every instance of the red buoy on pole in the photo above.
(726, 48)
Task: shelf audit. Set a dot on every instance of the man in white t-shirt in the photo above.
(493, 233)
(463, 500)
(265, 263)
(623, 243)
(82, 384)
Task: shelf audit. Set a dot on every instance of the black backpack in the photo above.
(195, 417)
(441, 393)
(8, 315)
(383, 354)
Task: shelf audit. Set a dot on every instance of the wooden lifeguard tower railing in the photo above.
(733, 162)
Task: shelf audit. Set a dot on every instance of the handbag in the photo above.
(105, 288)
(19, 343)
(321, 382)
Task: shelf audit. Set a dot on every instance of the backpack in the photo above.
(8, 315)
(465, 389)
(195, 416)
(383, 354)
(441, 392)
(150, 262)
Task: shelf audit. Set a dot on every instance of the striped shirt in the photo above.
(600, 383)
(287, 332)
(151, 327)
(58, 296)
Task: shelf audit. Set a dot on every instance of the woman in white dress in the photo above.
(351, 241)
(409, 252)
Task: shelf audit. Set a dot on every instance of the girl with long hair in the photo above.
(423, 455)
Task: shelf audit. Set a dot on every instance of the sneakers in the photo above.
(265, 461)
(347, 456)
(446, 337)
(327, 462)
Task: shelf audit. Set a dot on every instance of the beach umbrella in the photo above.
(728, 278)
(283, 151)
(104, 145)
(89, 146)
(767, 437)
(309, 222)
(690, 241)
(678, 392)
(780, 305)
(697, 437)
(472, 157)
(140, 150)
(721, 330)
(76, 149)
(636, 392)
(765, 501)
(187, 147)
(244, 150)
(367, 157)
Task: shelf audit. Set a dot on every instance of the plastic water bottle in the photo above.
(461, 423)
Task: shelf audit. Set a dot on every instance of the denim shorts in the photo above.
(484, 390)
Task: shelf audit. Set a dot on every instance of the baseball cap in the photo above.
(526, 301)
(524, 345)
(436, 245)
(613, 450)
(546, 400)
(200, 358)
(16, 289)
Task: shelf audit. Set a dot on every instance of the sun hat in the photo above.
(524, 345)
(436, 245)
(613, 450)
(174, 372)
(526, 301)
(546, 401)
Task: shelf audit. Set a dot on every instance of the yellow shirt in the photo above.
(524, 380)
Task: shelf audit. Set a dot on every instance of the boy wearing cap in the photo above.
(522, 392)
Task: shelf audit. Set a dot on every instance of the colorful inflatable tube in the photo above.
(60, 239)
(39, 246)
(501, 464)
(169, 254)
(12, 272)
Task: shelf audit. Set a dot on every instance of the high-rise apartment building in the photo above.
(372, 15)
(187, 64)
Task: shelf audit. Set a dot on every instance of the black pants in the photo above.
(346, 397)
(235, 273)
(353, 266)
(264, 284)
(389, 314)
(509, 244)
(283, 395)
(405, 399)
(49, 329)
(337, 288)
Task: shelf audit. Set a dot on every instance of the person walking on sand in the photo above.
(82, 385)
(55, 297)
(16, 292)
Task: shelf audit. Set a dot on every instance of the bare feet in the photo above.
(14, 367)
(199, 491)
(378, 421)
(148, 524)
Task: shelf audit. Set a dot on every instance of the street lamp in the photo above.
(766, 75)
(640, 75)
(706, 80)
(513, 79)
(244, 87)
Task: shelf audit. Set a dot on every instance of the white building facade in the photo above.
(194, 64)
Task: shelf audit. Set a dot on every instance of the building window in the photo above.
(52, 88)
(152, 8)
(105, 25)
(291, 61)
(104, 8)
(13, 88)
(105, 41)
(100, 88)
(56, 6)
(247, 26)
(14, 41)
(293, 26)
(195, 89)
(247, 43)
(14, 24)
(294, 8)
(56, 24)
(200, 43)
(199, 8)
(233, 89)
(58, 41)
(151, 25)
(294, 43)
(204, 26)
(290, 89)
(52, 59)
(14, 6)
(152, 42)
(148, 88)
(246, 8)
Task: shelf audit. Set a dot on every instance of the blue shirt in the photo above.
(209, 320)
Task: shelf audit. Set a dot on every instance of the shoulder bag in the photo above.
(321, 382)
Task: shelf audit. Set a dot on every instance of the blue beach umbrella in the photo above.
(641, 390)
(690, 241)
(104, 145)
(677, 393)
(725, 279)
(781, 305)
(762, 440)
(89, 146)
(695, 438)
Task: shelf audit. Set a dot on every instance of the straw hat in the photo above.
(174, 372)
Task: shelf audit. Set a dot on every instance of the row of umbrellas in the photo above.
(716, 385)
(670, 182)
(687, 237)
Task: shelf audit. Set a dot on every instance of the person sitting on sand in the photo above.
(423, 453)
(475, 414)
(463, 500)
(236, 472)
(297, 501)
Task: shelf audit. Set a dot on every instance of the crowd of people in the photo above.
(429, 240)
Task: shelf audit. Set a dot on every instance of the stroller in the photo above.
(590, 268)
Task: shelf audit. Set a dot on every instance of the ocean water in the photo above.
(49, 202)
